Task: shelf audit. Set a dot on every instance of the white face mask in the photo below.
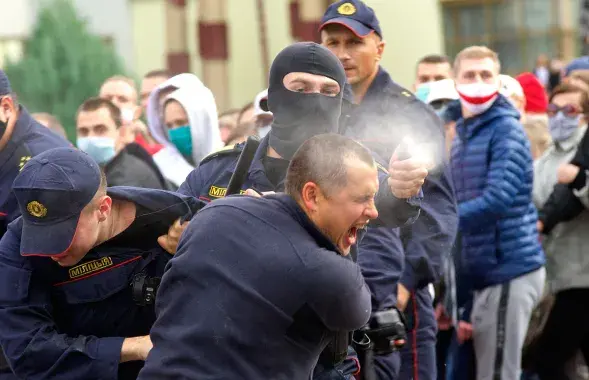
(127, 115)
(477, 97)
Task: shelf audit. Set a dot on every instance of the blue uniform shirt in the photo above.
(70, 323)
(413, 254)
(254, 292)
(28, 139)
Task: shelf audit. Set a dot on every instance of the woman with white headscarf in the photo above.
(182, 116)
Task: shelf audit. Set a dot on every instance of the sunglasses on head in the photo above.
(568, 110)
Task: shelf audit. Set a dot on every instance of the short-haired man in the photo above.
(21, 137)
(122, 92)
(397, 265)
(102, 135)
(432, 68)
(493, 173)
(72, 303)
(150, 81)
(268, 317)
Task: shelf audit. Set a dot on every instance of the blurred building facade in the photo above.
(229, 44)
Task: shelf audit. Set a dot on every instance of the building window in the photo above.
(518, 30)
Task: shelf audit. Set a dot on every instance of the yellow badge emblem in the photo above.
(220, 192)
(90, 267)
(346, 9)
(36, 209)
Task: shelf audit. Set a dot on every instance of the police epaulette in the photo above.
(225, 151)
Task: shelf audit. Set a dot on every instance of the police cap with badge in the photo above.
(354, 15)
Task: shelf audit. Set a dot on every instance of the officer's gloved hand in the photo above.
(169, 242)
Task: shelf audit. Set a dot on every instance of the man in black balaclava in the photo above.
(304, 95)
(305, 92)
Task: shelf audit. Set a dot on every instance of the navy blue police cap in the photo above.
(5, 88)
(354, 15)
(52, 189)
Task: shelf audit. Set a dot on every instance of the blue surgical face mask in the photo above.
(562, 127)
(182, 139)
(101, 149)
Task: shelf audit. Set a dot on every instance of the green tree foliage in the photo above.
(63, 64)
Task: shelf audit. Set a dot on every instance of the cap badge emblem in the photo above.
(346, 9)
(36, 209)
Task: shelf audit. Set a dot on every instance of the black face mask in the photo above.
(298, 116)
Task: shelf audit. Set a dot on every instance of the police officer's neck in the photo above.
(121, 216)
(272, 153)
(361, 88)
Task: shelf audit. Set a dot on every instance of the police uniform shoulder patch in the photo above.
(36, 209)
(230, 150)
(346, 9)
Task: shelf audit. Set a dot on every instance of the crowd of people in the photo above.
(378, 232)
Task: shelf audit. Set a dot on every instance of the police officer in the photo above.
(382, 115)
(305, 102)
(66, 265)
(21, 137)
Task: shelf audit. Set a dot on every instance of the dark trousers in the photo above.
(418, 357)
(566, 332)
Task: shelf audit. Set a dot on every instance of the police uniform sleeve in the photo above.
(428, 241)
(31, 342)
(337, 291)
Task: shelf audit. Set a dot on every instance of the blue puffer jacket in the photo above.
(493, 174)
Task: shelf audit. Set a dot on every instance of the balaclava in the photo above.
(299, 116)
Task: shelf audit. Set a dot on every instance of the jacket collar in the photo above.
(466, 128)
(293, 208)
(256, 173)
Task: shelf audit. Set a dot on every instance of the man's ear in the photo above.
(311, 195)
(104, 207)
(7, 107)
(380, 45)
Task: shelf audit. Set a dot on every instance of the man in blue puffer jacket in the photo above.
(501, 254)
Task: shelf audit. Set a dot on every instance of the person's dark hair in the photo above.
(158, 73)
(324, 160)
(96, 103)
(434, 58)
(567, 88)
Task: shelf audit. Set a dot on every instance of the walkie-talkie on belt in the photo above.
(243, 165)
